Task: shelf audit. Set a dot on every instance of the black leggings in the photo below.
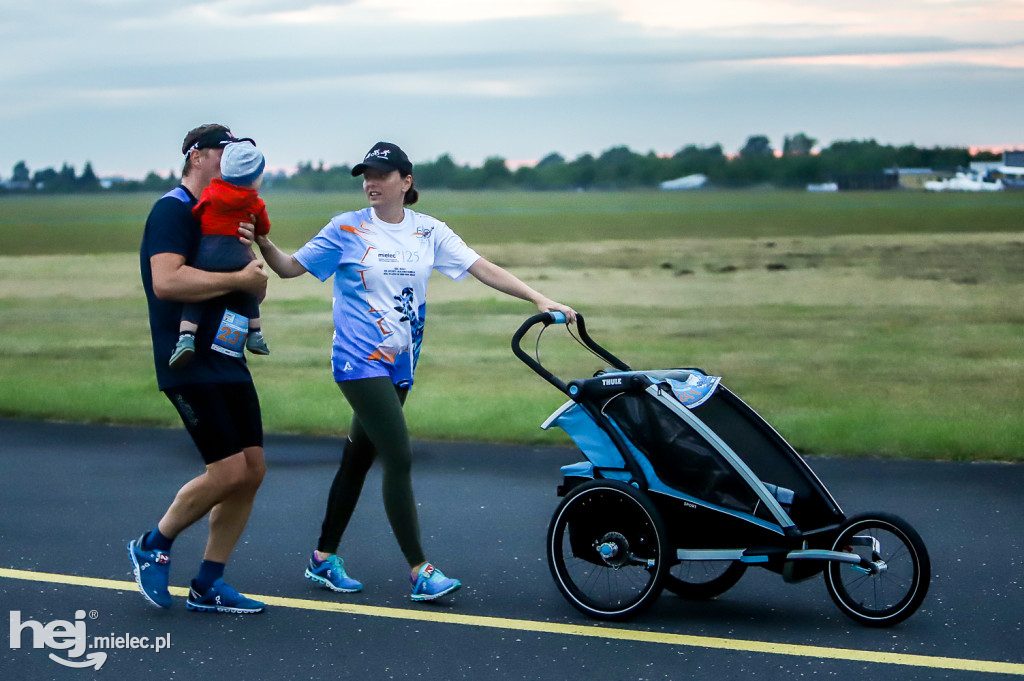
(378, 430)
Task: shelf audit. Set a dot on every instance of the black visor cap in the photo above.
(384, 157)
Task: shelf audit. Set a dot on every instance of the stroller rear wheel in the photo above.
(897, 581)
(699, 580)
(606, 549)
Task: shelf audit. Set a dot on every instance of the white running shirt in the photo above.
(380, 287)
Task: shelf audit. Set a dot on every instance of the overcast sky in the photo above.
(119, 82)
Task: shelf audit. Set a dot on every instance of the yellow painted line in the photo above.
(591, 631)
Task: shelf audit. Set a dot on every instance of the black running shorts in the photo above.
(222, 418)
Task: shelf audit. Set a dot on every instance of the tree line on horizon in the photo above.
(795, 166)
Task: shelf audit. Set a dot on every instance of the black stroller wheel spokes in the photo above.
(703, 579)
(605, 548)
(891, 580)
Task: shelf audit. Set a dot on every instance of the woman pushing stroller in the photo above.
(381, 258)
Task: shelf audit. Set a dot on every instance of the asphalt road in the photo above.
(72, 496)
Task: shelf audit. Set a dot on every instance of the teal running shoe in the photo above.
(183, 351)
(151, 570)
(222, 598)
(257, 344)
(331, 573)
(430, 583)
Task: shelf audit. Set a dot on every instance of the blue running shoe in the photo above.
(151, 569)
(331, 573)
(222, 598)
(430, 583)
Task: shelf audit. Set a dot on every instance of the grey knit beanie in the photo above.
(241, 163)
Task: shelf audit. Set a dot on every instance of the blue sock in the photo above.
(209, 572)
(155, 541)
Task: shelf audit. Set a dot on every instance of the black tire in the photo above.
(606, 549)
(699, 580)
(883, 598)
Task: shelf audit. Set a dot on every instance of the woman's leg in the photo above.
(356, 459)
(377, 404)
(378, 429)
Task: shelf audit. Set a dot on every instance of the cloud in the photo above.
(994, 56)
(520, 79)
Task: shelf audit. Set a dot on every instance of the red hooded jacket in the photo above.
(223, 205)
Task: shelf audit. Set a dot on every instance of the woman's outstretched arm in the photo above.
(286, 266)
(502, 280)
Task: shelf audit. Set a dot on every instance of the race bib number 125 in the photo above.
(230, 338)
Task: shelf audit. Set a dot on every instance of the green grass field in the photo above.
(31, 225)
(876, 324)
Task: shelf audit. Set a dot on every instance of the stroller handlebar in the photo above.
(548, 318)
(557, 317)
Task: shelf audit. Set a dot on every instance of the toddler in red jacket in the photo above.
(226, 202)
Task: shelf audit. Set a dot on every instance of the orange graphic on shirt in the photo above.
(384, 354)
(359, 231)
(369, 308)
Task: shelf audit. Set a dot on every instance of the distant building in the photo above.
(1012, 170)
(112, 181)
(689, 182)
(915, 178)
(869, 180)
(1014, 159)
(823, 187)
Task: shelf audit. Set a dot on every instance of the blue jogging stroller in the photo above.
(684, 487)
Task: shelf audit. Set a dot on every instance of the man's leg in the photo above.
(222, 481)
(230, 515)
(224, 421)
(227, 485)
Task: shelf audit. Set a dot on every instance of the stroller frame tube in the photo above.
(548, 318)
(733, 555)
(769, 500)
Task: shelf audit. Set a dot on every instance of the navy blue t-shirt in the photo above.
(170, 228)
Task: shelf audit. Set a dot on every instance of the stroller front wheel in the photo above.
(892, 580)
(606, 549)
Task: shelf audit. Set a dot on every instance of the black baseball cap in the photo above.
(386, 157)
(212, 139)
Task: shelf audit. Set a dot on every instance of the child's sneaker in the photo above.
(430, 583)
(151, 570)
(256, 344)
(183, 351)
(222, 598)
(331, 573)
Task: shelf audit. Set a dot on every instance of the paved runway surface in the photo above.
(72, 496)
